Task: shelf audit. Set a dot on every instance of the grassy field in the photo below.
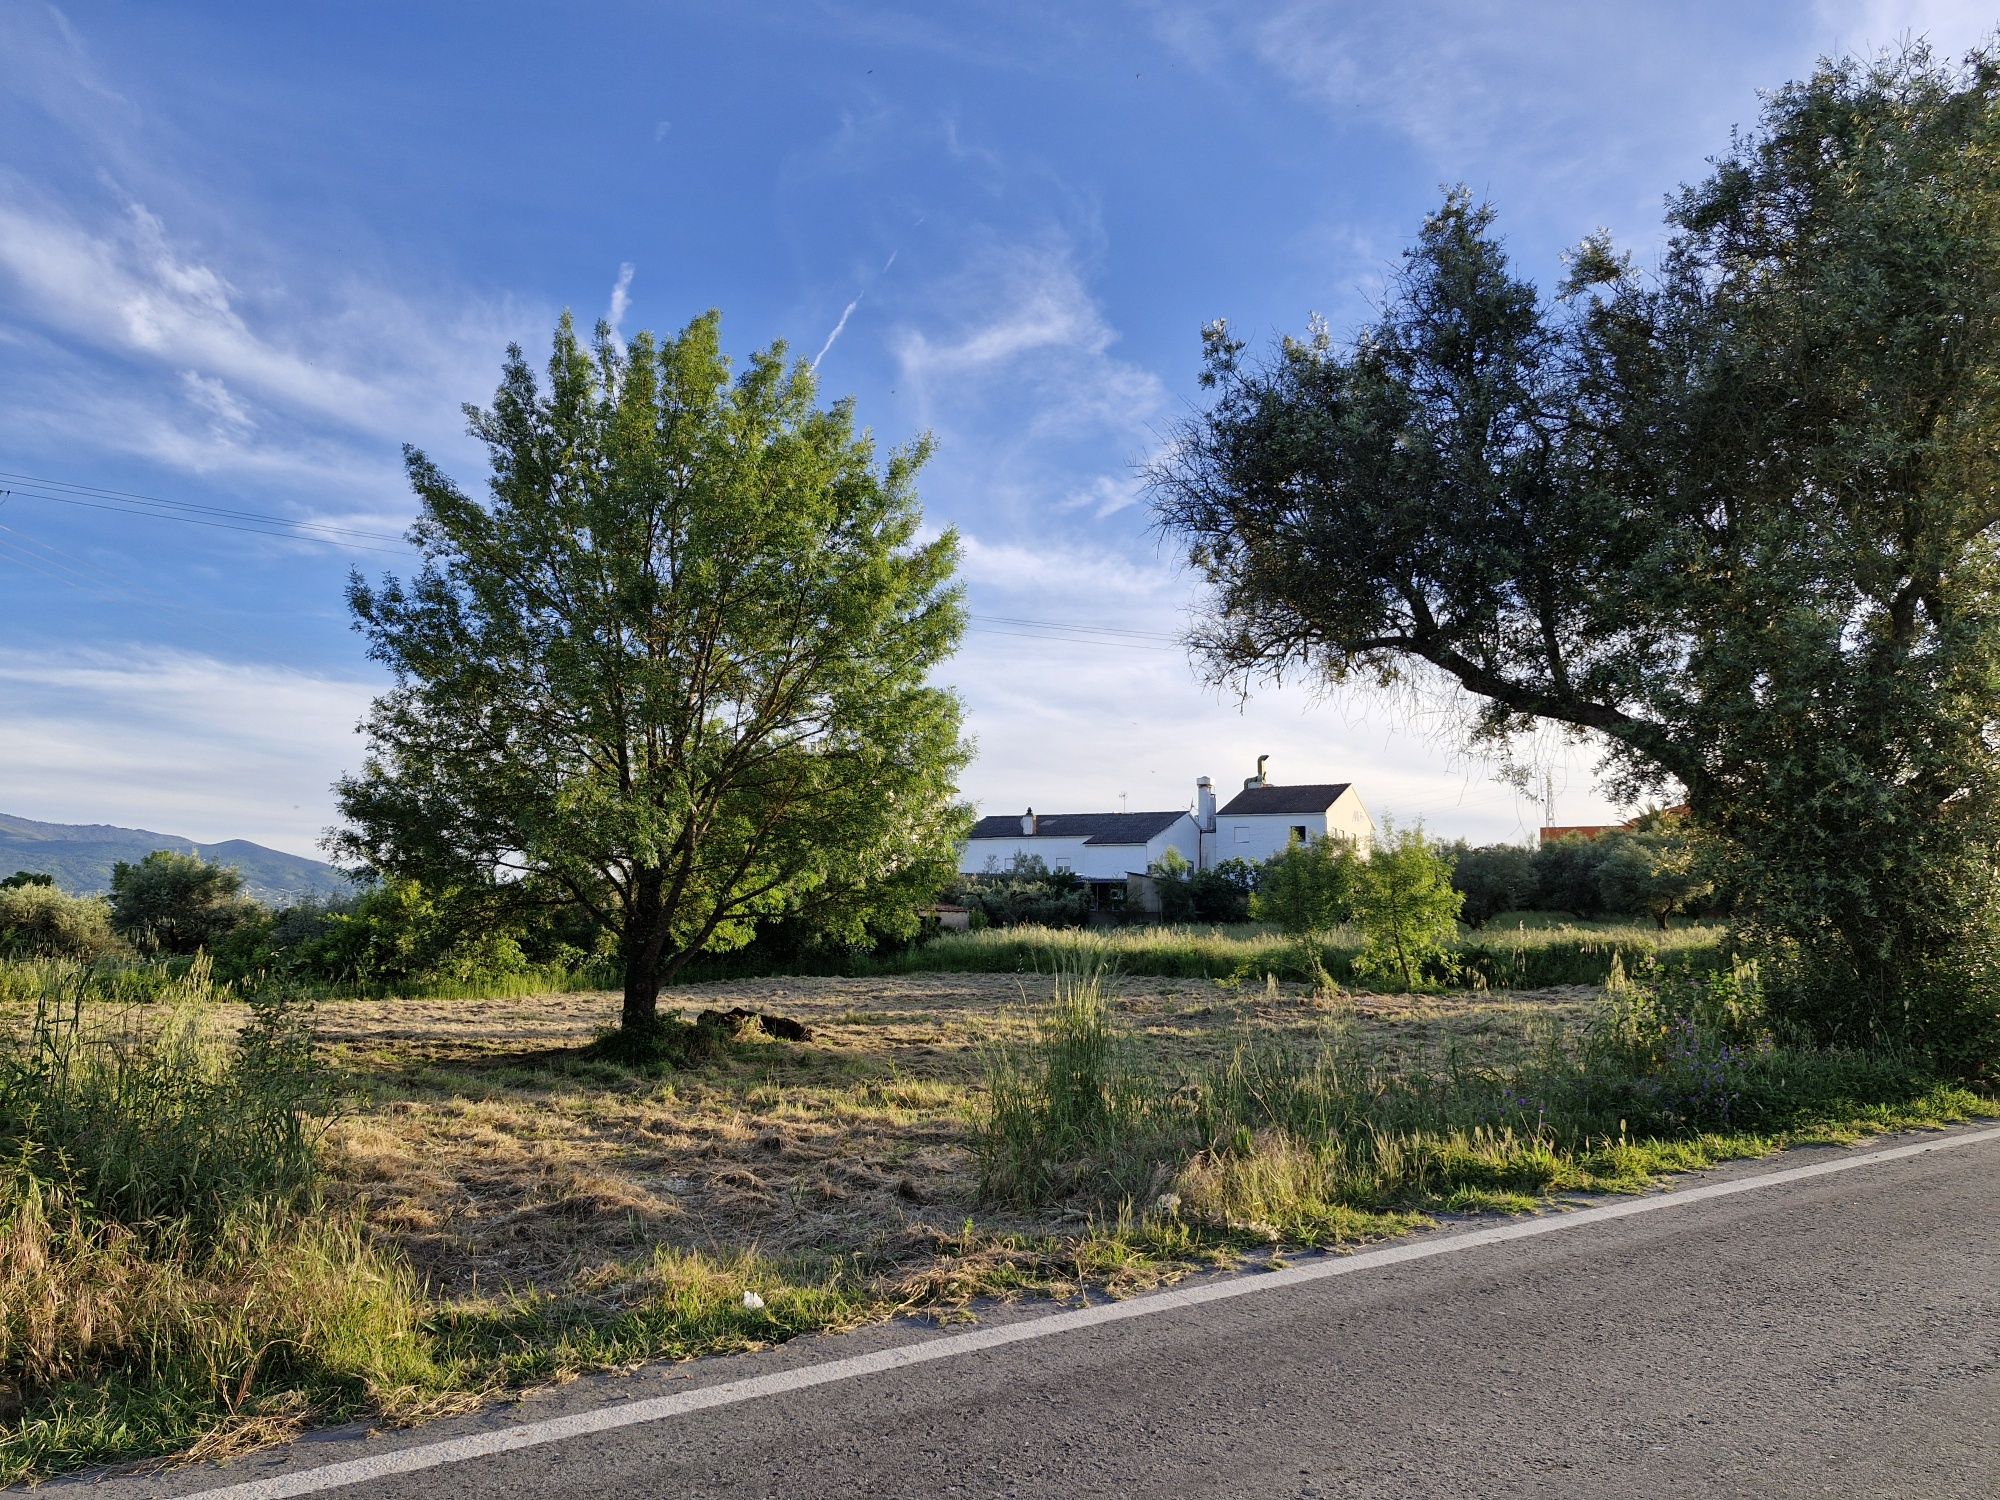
(1527, 950)
(485, 1205)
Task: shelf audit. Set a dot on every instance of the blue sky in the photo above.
(247, 251)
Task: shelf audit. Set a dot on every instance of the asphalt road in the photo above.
(1832, 1337)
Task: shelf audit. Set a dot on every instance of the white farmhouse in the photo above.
(1112, 851)
(1101, 849)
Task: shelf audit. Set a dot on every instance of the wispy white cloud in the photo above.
(131, 737)
(1018, 323)
(1066, 570)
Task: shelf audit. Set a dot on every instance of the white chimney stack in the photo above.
(1204, 804)
(1028, 823)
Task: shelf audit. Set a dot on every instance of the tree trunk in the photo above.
(643, 943)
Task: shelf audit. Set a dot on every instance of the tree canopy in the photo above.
(1735, 518)
(673, 670)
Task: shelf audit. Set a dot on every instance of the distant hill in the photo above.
(80, 857)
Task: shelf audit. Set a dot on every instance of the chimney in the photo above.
(1204, 804)
(1260, 779)
(1028, 823)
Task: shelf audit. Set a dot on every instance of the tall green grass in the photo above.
(1328, 1141)
(167, 1269)
(1520, 957)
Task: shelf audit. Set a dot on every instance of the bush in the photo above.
(39, 921)
(177, 903)
(1408, 911)
(1307, 889)
(1493, 879)
(1566, 872)
(1656, 875)
(166, 1267)
(150, 1116)
(1065, 1108)
(1027, 892)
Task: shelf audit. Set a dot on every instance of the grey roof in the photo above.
(1092, 828)
(1317, 798)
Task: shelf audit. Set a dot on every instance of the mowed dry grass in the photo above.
(480, 1140)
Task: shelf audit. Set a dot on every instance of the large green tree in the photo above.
(674, 668)
(1734, 518)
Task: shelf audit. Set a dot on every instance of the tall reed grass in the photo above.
(1520, 957)
(1321, 1141)
(167, 1269)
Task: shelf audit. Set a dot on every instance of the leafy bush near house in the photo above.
(1307, 889)
(1405, 906)
(1220, 894)
(1025, 892)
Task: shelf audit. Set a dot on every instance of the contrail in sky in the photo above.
(848, 311)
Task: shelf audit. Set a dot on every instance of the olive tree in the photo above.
(1733, 519)
(673, 670)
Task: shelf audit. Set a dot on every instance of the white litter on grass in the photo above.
(752, 1301)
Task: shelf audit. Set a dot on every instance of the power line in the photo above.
(1150, 635)
(303, 533)
(99, 492)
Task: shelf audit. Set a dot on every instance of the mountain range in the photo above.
(80, 857)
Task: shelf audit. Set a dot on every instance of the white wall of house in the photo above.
(1255, 837)
(1089, 861)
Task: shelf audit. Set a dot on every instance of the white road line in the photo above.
(952, 1346)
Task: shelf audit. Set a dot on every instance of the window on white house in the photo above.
(1062, 864)
(1242, 834)
(1299, 833)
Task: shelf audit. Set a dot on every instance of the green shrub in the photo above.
(177, 903)
(1493, 879)
(1407, 909)
(39, 921)
(1307, 890)
(1066, 1110)
(1026, 893)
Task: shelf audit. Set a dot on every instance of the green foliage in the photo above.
(150, 1116)
(1065, 1107)
(676, 669)
(1308, 889)
(1407, 909)
(39, 921)
(1733, 519)
(1566, 875)
(177, 903)
(1497, 878)
(25, 877)
(1221, 894)
(165, 1266)
(1658, 875)
(1026, 892)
